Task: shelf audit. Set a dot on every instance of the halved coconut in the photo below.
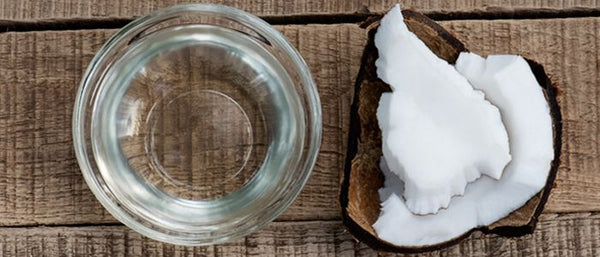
(363, 176)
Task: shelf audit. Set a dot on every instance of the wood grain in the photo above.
(40, 182)
(24, 10)
(334, 69)
(556, 235)
(568, 49)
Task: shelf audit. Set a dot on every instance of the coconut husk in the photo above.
(362, 177)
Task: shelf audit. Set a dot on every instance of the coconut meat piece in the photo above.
(438, 133)
(509, 84)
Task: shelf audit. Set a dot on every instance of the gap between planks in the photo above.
(496, 13)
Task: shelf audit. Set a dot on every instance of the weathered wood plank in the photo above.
(569, 51)
(40, 182)
(66, 9)
(556, 235)
(333, 54)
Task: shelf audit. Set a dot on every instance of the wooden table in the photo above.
(47, 209)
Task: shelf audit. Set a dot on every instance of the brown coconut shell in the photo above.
(362, 177)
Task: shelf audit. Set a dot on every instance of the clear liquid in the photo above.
(196, 120)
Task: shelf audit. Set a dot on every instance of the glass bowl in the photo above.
(197, 124)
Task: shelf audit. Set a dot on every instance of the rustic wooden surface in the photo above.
(556, 235)
(65, 9)
(46, 207)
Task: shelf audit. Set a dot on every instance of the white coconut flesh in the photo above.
(509, 84)
(438, 132)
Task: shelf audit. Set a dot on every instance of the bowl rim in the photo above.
(84, 94)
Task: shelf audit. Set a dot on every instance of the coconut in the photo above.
(363, 176)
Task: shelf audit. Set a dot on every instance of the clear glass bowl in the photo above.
(197, 124)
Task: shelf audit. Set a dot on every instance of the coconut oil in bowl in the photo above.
(197, 124)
